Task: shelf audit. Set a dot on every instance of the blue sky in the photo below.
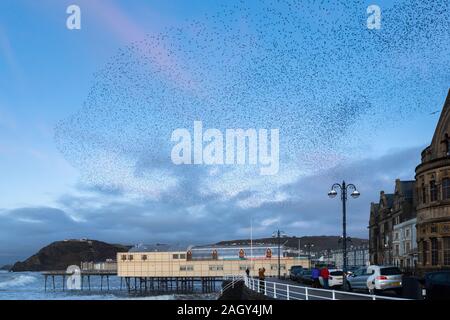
(86, 115)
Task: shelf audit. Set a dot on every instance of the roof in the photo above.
(161, 247)
(158, 247)
(389, 199)
(237, 246)
(407, 188)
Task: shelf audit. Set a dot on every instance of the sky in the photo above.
(86, 115)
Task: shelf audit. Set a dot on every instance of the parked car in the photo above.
(437, 285)
(335, 279)
(376, 278)
(351, 270)
(305, 276)
(294, 272)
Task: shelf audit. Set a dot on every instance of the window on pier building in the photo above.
(433, 191)
(175, 256)
(446, 188)
(186, 268)
(124, 257)
(130, 257)
(446, 242)
(144, 257)
(434, 252)
(275, 267)
(243, 267)
(216, 268)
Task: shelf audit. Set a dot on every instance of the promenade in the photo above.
(281, 289)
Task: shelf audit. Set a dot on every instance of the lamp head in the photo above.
(332, 193)
(355, 194)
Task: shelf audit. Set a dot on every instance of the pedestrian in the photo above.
(247, 272)
(325, 274)
(315, 277)
(261, 277)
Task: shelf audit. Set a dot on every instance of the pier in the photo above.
(152, 285)
(134, 285)
(85, 277)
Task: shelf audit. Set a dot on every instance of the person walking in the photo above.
(261, 277)
(315, 277)
(247, 272)
(325, 274)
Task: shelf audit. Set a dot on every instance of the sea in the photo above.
(31, 286)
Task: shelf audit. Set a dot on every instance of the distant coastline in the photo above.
(61, 254)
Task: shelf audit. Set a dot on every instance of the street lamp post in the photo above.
(308, 247)
(343, 188)
(278, 234)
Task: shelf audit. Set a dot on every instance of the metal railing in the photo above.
(231, 284)
(285, 291)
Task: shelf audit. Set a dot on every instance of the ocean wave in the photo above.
(17, 281)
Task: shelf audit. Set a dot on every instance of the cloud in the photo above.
(186, 217)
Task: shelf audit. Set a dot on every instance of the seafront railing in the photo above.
(286, 291)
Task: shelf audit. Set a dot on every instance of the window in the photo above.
(186, 268)
(216, 268)
(275, 267)
(390, 271)
(130, 257)
(407, 235)
(408, 247)
(244, 267)
(434, 252)
(446, 241)
(396, 236)
(144, 257)
(397, 250)
(424, 253)
(175, 256)
(183, 256)
(124, 257)
(433, 191)
(445, 189)
(424, 193)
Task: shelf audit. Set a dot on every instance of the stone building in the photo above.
(405, 244)
(392, 210)
(357, 256)
(433, 193)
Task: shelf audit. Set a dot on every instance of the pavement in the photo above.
(315, 294)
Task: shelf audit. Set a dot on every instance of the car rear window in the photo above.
(390, 271)
(336, 273)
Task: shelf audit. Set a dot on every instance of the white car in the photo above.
(376, 278)
(335, 279)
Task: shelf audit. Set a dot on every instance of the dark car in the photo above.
(305, 276)
(295, 272)
(437, 285)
